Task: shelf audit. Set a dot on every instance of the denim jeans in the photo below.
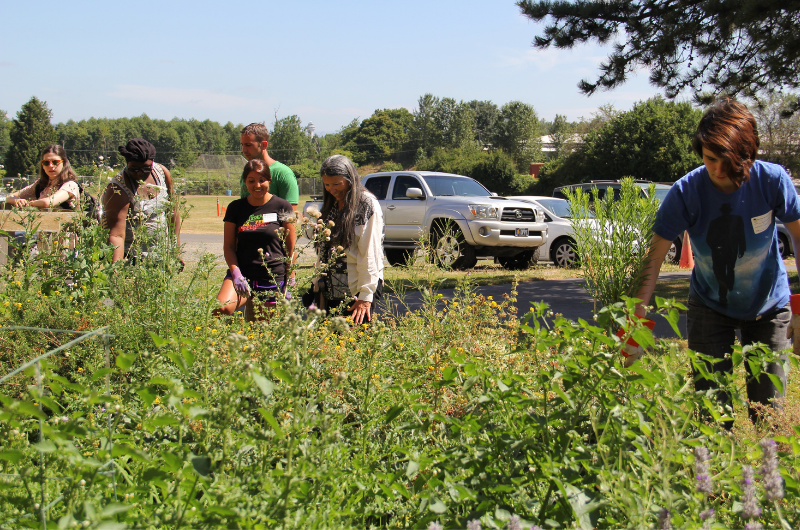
(713, 334)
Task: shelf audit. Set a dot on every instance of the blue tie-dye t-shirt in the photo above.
(738, 270)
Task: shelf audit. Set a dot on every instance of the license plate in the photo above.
(521, 232)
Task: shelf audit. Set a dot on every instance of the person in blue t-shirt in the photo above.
(729, 206)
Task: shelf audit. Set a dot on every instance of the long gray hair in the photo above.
(354, 202)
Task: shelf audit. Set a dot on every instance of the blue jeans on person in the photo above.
(713, 334)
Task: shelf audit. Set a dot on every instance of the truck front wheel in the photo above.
(451, 251)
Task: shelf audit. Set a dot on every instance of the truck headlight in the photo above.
(539, 214)
(483, 211)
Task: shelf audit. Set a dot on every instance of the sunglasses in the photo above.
(144, 170)
(54, 163)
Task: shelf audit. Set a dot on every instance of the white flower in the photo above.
(313, 211)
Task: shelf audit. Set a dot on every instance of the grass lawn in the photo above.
(202, 216)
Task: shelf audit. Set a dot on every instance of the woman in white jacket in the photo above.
(354, 251)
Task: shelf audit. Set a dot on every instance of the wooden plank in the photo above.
(48, 221)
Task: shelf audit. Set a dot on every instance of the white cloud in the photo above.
(193, 97)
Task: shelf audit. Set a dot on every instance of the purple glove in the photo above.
(240, 284)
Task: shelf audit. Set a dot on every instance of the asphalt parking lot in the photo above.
(567, 297)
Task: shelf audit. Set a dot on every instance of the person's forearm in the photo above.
(230, 257)
(655, 257)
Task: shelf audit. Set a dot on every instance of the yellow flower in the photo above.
(489, 298)
(157, 400)
(213, 331)
(198, 328)
(402, 344)
(80, 370)
(493, 304)
(351, 339)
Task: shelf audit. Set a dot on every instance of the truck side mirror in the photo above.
(414, 193)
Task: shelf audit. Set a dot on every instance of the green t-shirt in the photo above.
(283, 184)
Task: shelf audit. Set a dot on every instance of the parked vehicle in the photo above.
(784, 240)
(461, 219)
(613, 186)
(560, 247)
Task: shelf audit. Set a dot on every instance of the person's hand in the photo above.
(240, 284)
(360, 309)
(794, 331)
(21, 203)
(631, 349)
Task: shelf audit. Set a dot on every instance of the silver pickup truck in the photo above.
(461, 219)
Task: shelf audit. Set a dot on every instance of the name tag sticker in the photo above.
(270, 218)
(762, 222)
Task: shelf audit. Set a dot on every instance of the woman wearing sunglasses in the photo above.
(141, 194)
(56, 185)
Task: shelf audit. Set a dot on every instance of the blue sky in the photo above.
(327, 62)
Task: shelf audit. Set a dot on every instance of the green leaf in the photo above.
(557, 389)
(272, 421)
(470, 382)
(11, 455)
(736, 357)
(121, 449)
(124, 361)
(158, 341)
(266, 386)
(113, 509)
(202, 465)
(197, 411)
(777, 382)
(188, 356)
(392, 413)
(283, 375)
(412, 468)
(437, 506)
(163, 420)
(101, 373)
(45, 446)
(110, 525)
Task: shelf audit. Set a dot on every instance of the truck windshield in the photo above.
(442, 185)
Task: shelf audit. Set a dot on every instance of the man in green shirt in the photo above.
(255, 139)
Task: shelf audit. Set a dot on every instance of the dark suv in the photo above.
(613, 186)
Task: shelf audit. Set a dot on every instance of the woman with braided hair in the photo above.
(354, 253)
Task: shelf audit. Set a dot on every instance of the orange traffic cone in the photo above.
(687, 259)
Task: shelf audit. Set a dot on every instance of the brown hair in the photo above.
(728, 129)
(259, 166)
(66, 174)
(258, 130)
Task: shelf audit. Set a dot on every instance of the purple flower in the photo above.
(474, 525)
(750, 507)
(513, 523)
(753, 525)
(707, 514)
(701, 466)
(663, 520)
(770, 470)
(434, 526)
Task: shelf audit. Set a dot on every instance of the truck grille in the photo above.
(518, 215)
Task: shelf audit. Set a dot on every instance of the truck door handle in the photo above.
(391, 207)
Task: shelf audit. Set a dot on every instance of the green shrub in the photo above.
(458, 411)
(613, 245)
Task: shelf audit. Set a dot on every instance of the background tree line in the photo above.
(493, 144)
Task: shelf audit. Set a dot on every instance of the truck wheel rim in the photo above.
(447, 250)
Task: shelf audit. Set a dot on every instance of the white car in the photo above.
(560, 245)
